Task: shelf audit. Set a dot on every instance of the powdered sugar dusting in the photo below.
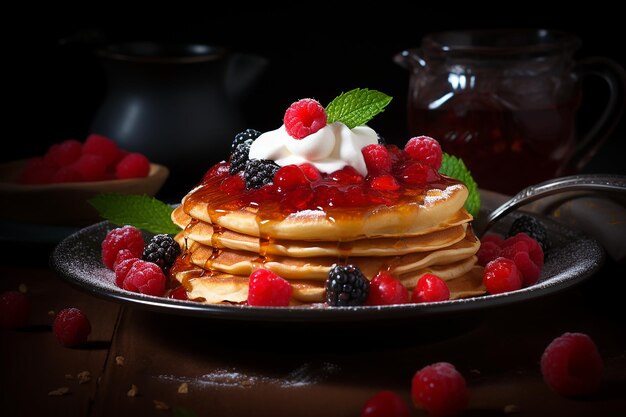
(444, 195)
(307, 214)
(302, 376)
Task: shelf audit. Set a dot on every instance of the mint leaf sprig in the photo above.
(455, 167)
(356, 107)
(142, 211)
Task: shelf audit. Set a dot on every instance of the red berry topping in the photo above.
(288, 178)
(145, 278)
(310, 172)
(126, 237)
(440, 390)
(268, 289)
(430, 288)
(304, 117)
(385, 289)
(385, 404)
(71, 327)
(14, 309)
(91, 167)
(385, 182)
(425, 149)
(64, 153)
(501, 275)
(377, 158)
(233, 185)
(179, 293)
(122, 268)
(347, 176)
(101, 145)
(572, 366)
(133, 165)
(417, 173)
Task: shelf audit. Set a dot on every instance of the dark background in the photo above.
(313, 50)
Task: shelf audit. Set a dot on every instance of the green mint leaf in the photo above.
(455, 167)
(356, 107)
(141, 211)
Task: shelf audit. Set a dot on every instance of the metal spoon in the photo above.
(586, 182)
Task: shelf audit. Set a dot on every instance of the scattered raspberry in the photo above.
(64, 153)
(102, 146)
(425, 149)
(288, 178)
(122, 269)
(126, 237)
(385, 404)
(14, 310)
(572, 366)
(440, 390)
(145, 278)
(161, 250)
(417, 173)
(304, 117)
(346, 286)
(123, 255)
(501, 275)
(430, 288)
(385, 289)
(133, 165)
(71, 327)
(91, 167)
(377, 158)
(265, 288)
(310, 172)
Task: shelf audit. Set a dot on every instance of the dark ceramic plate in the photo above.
(573, 258)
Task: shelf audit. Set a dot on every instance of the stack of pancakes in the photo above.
(221, 247)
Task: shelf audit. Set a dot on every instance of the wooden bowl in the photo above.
(65, 203)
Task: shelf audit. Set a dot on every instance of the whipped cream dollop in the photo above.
(331, 148)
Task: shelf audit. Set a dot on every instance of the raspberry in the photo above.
(529, 271)
(532, 227)
(123, 255)
(233, 185)
(238, 158)
(310, 172)
(572, 366)
(377, 158)
(297, 199)
(259, 172)
(64, 153)
(487, 252)
(288, 178)
(425, 149)
(527, 255)
(347, 176)
(501, 275)
(346, 286)
(304, 117)
(133, 165)
(90, 167)
(65, 174)
(533, 247)
(179, 293)
(126, 237)
(430, 288)
(14, 310)
(161, 250)
(440, 390)
(385, 289)
(492, 237)
(265, 288)
(102, 146)
(121, 270)
(217, 170)
(71, 327)
(146, 278)
(35, 171)
(385, 404)
(246, 137)
(385, 182)
(417, 173)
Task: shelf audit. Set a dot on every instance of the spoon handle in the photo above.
(586, 182)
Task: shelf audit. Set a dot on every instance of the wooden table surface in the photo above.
(241, 369)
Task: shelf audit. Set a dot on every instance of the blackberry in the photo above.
(247, 136)
(238, 158)
(162, 250)
(259, 172)
(346, 286)
(533, 228)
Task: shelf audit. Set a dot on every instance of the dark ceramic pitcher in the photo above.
(176, 103)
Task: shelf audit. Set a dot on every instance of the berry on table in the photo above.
(430, 288)
(440, 390)
(266, 288)
(14, 309)
(426, 150)
(385, 403)
(259, 172)
(385, 290)
(125, 237)
(161, 250)
(304, 117)
(572, 366)
(71, 327)
(346, 286)
(501, 275)
(146, 278)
